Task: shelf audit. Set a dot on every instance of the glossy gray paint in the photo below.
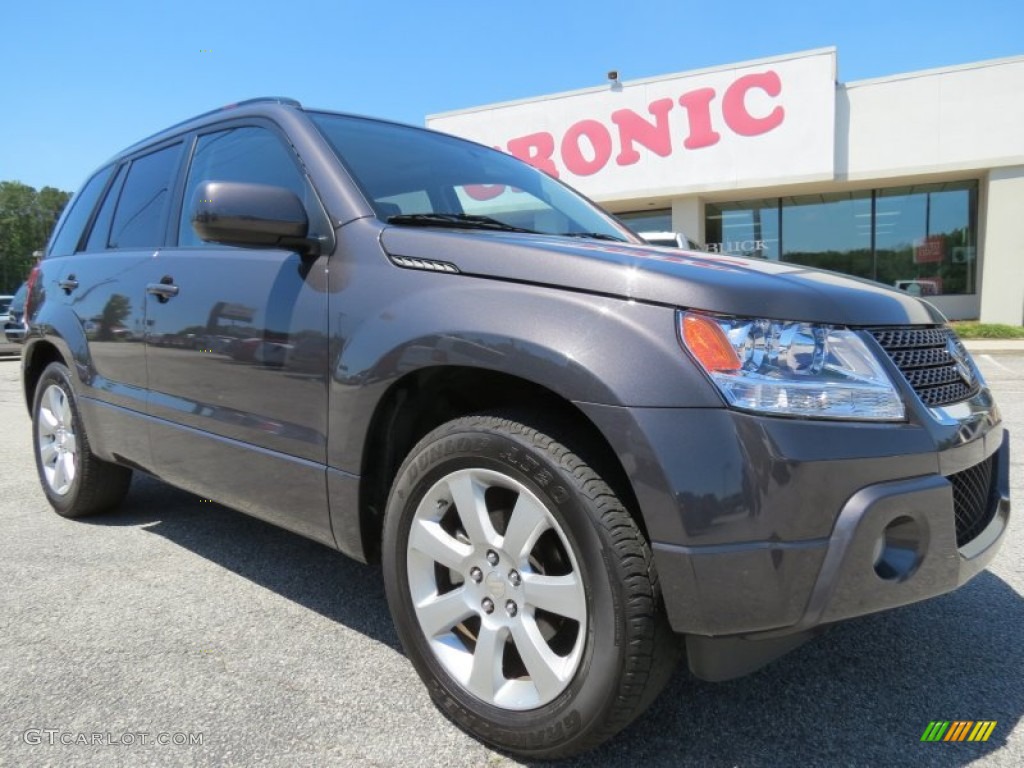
(741, 510)
(729, 285)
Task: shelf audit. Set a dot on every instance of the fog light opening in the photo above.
(899, 550)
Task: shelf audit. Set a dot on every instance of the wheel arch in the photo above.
(55, 335)
(35, 358)
(428, 397)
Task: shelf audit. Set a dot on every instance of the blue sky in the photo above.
(83, 80)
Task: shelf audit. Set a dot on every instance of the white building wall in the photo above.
(938, 121)
(1002, 273)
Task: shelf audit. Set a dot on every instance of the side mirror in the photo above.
(234, 213)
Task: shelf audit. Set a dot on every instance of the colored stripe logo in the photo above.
(958, 730)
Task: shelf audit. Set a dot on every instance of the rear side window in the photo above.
(73, 222)
(140, 220)
(247, 154)
(101, 226)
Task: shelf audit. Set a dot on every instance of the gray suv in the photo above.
(576, 456)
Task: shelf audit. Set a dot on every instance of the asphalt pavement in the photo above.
(177, 632)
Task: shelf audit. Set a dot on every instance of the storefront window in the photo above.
(648, 221)
(921, 239)
(750, 228)
(830, 231)
(925, 238)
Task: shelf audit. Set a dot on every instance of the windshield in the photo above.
(414, 177)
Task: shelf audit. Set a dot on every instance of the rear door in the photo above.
(104, 284)
(237, 350)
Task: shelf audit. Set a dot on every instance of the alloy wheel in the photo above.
(496, 589)
(58, 446)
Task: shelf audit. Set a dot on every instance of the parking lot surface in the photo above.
(183, 633)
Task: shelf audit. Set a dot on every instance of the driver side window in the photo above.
(248, 154)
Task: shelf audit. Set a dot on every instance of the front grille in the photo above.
(933, 361)
(974, 499)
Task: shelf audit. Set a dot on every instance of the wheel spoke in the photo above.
(55, 397)
(541, 662)
(59, 475)
(48, 453)
(70, 444)
(69, 466)
(486, 676)
(525, 526)
(48, 420)
(65, 411)
(561, 595)
(469, 502)
(439, 613)
(430, 539)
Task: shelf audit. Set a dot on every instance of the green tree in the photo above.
(26, 219)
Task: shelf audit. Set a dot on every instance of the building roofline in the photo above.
(936, 71)
(642, 81)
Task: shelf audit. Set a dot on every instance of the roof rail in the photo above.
(265, 100)
(259, 100)
(234, 105)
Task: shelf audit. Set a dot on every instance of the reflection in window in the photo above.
(648, 221)
(388, 160)
(830, 231)
(511, 206)
(921, 239)
(141, 216)
(405, 203)
(925, 238)
(750, 228)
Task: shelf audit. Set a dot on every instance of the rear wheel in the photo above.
(75, 481)
(523, 591)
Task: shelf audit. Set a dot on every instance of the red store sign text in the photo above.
(587, 146)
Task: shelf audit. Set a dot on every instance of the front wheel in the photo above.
(522, 590)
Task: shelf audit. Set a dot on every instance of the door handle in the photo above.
(164, 290)
(68, 284)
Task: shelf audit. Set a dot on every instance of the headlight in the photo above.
(791, 368)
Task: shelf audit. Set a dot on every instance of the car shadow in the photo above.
(863, 693)
(860, 694)
(299, 569)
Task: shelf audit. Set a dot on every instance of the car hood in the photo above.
(693, 280)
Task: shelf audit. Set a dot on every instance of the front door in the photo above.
(237, 383)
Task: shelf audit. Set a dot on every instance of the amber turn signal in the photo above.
(708, 343)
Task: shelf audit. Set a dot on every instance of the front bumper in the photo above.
(766, 529)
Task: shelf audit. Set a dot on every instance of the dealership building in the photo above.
(915, 180)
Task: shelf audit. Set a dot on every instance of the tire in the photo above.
(535, 620)
(75, 481)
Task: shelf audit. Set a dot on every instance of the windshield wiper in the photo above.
(458, 220)
(595, 236)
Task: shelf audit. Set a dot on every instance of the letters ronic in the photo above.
(587, 145)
